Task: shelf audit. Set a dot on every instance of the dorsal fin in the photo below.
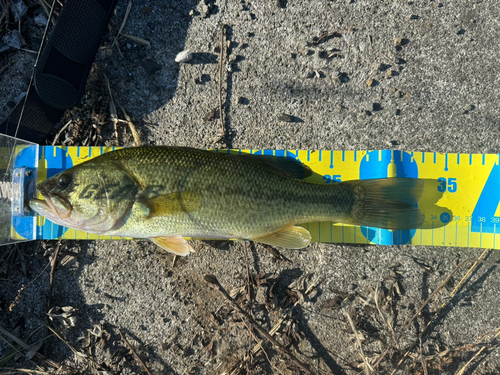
(291, 166)
(286, 165)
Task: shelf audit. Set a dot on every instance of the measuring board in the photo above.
(460, 200)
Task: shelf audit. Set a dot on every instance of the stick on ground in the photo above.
(133, 352)
(52, 272)
(213, 280)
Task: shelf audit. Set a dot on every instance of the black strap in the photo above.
(62, 69)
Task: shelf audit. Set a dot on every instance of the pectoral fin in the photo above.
(291, 237)
(168, 204)
(174, 244)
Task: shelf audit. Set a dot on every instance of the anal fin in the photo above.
(291, 237)
(173, 244)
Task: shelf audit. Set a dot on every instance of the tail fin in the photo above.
(388, 203)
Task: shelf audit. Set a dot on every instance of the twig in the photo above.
(221, 115)
(422, 359)
(46, 8)
(5, 11)
(388, 58)
(29, 50)
(27, 347)
(135, 134)
(14, 371)
(137, 39)
(454, 291)
(325, 35)
(60, 132)
(112, 110)
(53, 271)
(133, 352)
(14, 338)
(259, 342)
(213, 280)
(129, 6)
(78, 355)
(417, 313)
(462, 370)
(249, 290)
(19, 295)
(277, 326)
(273, 330)
(384, 318)
(368, 367)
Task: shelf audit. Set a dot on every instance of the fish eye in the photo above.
(64, 181)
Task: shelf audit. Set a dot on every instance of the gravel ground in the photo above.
(355, 75)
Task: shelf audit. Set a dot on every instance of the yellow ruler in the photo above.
(460, 200)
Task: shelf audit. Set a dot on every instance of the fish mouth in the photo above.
(54, 205)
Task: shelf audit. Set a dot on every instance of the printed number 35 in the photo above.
(449, 184)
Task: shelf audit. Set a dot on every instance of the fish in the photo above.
(166, 193)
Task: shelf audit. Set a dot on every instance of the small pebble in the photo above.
(19, 10)
(370, 82)
(336, 81)
(398, 42)
(41, 20)
(183, 57)
(13, 39)
(285, 118)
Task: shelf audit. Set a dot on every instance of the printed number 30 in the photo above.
(449, 184)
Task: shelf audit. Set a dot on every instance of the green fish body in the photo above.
(166, 193)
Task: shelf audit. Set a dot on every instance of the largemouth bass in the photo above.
(167, 193)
